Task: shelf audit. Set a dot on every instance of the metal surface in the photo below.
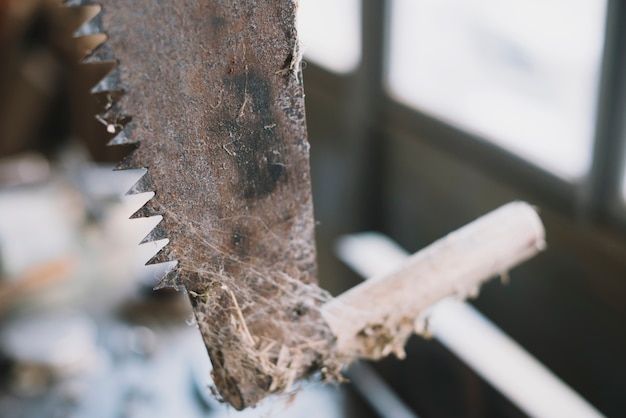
(211, 93)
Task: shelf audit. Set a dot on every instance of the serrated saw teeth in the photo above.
(92, 24)
(111, 79)
(99, 52)
(216, 96)
(121, 139)
(143, 185)
(93, 51)
(88, 48)
(156, 234)
(130, 162)
(97, 73)
(162, 256)
(78, 20)
(148, 210)
(170, 279)
(107, 99)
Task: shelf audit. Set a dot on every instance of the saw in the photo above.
(210, 92)
(210, 95)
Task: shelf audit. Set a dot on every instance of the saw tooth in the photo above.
(162, 256)
(96, 72)
(92, 52)
(170, 279)
(91, 21)
(76, 17)
(157, 233)
(107, 99)
(130, 161)
(149, 209)
(111, 81)
(121, 139)
(90, 45)
(113, 116)
(143, 185)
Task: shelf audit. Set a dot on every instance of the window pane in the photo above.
(330, 31)
(522, 74)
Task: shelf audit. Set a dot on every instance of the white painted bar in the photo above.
(476, 340)
(378, 316)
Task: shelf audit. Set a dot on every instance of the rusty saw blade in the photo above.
(211, 94)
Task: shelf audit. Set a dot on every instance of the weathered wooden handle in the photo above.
(376, 317)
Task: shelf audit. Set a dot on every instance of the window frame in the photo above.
(595, 198)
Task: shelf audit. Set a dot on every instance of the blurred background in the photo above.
(422, 115)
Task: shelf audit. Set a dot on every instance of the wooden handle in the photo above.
(376, 317)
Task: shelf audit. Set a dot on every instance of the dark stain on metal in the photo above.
(257, 150)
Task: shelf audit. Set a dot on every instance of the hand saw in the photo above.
(210, 93)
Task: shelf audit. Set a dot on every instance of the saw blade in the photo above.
(211, 94)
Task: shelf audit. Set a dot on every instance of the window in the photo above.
(330, 32)
(523, 75)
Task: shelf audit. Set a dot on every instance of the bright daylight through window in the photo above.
(523, 75)
(331, 33)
